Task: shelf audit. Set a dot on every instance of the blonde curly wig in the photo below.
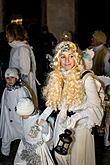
(64, 86)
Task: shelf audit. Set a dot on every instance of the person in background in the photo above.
(47, 43)
(22, 56)
(11, 127)
(77, 103)
(106, 118)
(101, 60)
(48, 40)
(33, 148)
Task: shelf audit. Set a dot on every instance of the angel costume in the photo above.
(11, 123)
(77, 99)
(33, 148)
(85, 116)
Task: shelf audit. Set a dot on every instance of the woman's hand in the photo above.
(40, 122)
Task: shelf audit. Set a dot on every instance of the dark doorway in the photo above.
(30, 11)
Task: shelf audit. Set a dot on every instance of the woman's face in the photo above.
(67, 60)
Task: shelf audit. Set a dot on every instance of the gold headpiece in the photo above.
(66, 36)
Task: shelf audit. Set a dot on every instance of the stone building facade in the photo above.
(58, 15)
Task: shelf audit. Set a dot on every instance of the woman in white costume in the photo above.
(22, 56)
(33, 148)
(69, 93)
(11, 123)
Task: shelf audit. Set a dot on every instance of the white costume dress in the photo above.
(87, 115)
(11, 123)
(33, 149)
(22, 58)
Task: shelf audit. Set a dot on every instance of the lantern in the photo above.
(64, 142)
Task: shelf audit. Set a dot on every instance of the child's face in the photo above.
(25, 116)
(10, 80)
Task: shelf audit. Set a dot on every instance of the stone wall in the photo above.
(60, 16)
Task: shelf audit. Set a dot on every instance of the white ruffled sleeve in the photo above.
(46, 132)
(93, 101)
(45, 114)
(92, 111)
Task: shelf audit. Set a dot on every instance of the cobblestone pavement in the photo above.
(102, 156)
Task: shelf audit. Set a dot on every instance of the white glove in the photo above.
(71, 121)
(45, 114)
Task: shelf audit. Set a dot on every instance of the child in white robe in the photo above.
(33, 148)
(10, 122)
